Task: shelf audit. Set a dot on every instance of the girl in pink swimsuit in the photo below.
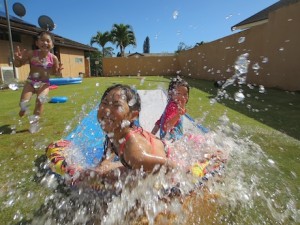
(42, 64)
(135, 147)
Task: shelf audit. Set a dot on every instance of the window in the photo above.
(78, 60)
(4, 36)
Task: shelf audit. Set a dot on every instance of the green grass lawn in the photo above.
(271, 119)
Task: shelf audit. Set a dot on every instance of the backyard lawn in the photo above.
(269, 119)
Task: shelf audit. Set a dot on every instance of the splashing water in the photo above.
(175, 14)
(255, 66)
(241, 40)
(261, 89)
(239, 96)
(13, 86)
(240, 189)
(240, 194)
(241, 69)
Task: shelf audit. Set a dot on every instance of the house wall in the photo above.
(26, 43)
(273, 46)
(73, 62)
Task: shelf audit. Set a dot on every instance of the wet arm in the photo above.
(172, 116)
(58, 67)
(137, 157)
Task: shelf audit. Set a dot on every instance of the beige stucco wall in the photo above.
(22, 72)
(73, 62)
(277, 41)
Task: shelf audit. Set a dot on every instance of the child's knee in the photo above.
(42, 98)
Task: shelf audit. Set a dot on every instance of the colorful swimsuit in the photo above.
(46, 63)
(177, 131)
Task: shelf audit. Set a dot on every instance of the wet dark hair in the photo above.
(131, 96)
(175, 82)
(43, 33)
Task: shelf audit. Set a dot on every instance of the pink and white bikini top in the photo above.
(47, 62)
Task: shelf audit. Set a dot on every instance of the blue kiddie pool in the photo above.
(65, 80)
(58, 99)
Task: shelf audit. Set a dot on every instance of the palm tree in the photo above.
(123, 36)
(102, 39)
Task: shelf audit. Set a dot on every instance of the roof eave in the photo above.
(248, 25)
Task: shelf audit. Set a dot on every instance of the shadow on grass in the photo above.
(7, 129)
(275, 108)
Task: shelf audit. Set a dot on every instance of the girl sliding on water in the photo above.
(136, 148)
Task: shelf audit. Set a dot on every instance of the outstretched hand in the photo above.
(181, 109)
(60, 68)
(20, 55)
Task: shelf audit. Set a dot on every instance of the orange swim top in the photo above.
(148, 136)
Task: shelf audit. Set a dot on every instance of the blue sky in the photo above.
(165, 22)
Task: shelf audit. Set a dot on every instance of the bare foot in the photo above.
(22, 113)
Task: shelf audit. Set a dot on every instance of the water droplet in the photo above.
(175, 14)
(228, 17)
(43, 98)
(97, 84)
(294, 174)
(239, 96)
(255, 66)
(261, 89)
(241, 64)
(212, 101)
(265, 60)
(10, 202)
(110, 135)
(142, 81)
(13, 86)
(224, 120)
(250, 86)
(241, 40)
(281, 49)
(125, 123)
(132, 102)
(50, 181)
